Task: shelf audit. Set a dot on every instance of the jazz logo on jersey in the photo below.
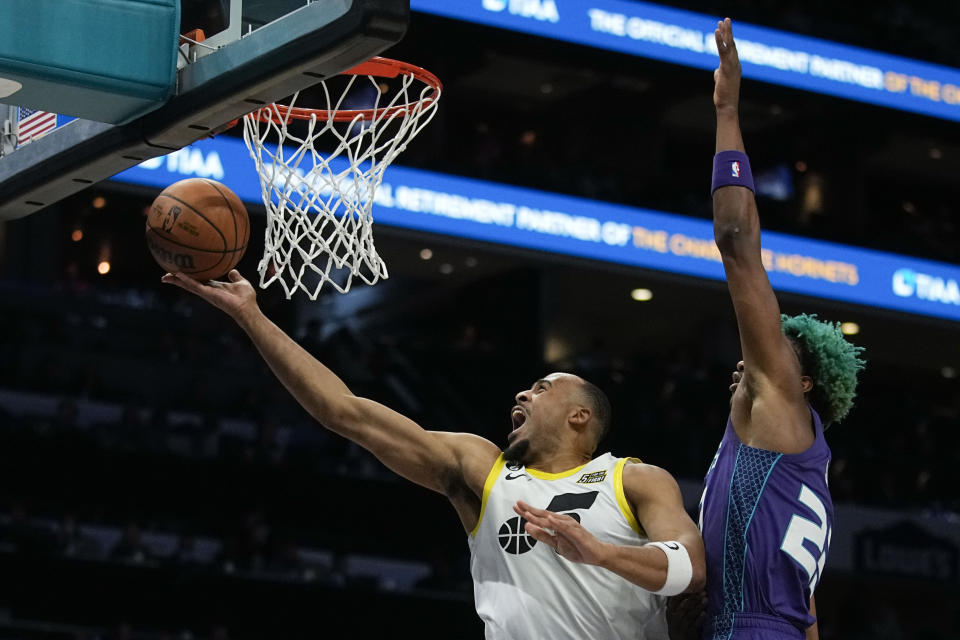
(513, 536)
(735, 169)
(589, 478)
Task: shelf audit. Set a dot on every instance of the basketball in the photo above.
(198, 227)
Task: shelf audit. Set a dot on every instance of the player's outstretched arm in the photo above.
(440, 461)
(672, 563)
(771, 368)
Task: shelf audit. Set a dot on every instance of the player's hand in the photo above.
(726, 90)
(685, 615)
(236, 297)
(564, 534)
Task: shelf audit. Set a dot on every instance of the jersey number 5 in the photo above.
(801, 529)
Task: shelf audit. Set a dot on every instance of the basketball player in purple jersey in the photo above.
(766, 515)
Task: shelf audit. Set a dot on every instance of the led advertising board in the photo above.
(686, 38)
(530, 219)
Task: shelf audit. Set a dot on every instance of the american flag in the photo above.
(31, 124)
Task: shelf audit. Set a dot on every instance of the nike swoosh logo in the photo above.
(511, 476)
(672, 545)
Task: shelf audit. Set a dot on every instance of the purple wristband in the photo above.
(731, 168)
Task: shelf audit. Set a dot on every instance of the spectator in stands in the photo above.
(267, 448)
(24, 536)
(66, 419)
(208, 445)
(130, 547)
(123, 632)
(89, 382)
(249, 549)
(284, 558)
(311, 337)
(127, 434)
(186, 552)
(445, 576)
(73, 542)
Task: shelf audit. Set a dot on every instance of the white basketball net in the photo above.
(319, 222)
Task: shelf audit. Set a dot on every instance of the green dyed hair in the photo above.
(831, 361)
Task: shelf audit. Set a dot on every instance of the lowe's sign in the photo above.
(683, 37)
(518, 217)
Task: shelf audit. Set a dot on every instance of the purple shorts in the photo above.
(752, 626)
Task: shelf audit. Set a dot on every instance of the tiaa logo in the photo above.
(908, 283)
(545, 10)
(189, 162)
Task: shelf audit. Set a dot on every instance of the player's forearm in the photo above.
(736, 225)
(728, 130)
(644, 566)
(314, 386)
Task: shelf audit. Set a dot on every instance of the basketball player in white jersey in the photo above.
(641, 544)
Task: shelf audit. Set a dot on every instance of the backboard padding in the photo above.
(314, 42)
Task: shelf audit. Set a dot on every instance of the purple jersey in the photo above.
(766, 519)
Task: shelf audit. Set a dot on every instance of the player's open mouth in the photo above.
(517, 417)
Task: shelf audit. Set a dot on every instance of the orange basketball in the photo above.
(198, 227)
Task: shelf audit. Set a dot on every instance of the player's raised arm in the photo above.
(736, 223)
(436, 460)
(771, 368)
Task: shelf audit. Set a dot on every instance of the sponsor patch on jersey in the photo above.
(590, 478)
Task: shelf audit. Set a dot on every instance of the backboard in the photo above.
(281, 46)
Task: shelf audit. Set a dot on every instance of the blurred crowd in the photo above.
(123, 422)
(89, 372)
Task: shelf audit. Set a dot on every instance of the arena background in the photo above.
(156, 482)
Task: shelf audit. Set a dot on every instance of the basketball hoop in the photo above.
(319, 222)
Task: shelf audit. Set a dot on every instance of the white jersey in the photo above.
(526, 591)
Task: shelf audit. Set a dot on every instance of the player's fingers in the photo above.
(204, 290)
(678, 604)
(178, 280)
(729, 39)
(539, 521)
(526, 507)
(234, 276)
(688, 607)
(692, 604)
(189, 283)
(541, 535)
(521, 509)
(562, 523)
(717, 36)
